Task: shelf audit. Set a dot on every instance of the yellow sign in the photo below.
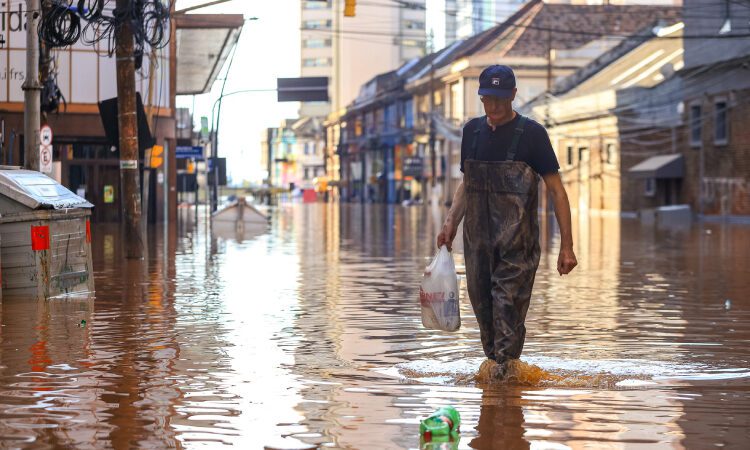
(350, 8)
(109, 194)
(155, 156)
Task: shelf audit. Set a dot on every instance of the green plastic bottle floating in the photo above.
(443, 423)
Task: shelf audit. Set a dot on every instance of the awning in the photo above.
(663, 166)
(204, 42)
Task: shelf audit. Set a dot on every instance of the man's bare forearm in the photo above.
(562, 212)
(458, 208)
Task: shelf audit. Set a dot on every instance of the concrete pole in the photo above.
(31, 87)
(130, 198)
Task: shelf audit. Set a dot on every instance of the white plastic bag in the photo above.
(438, 293)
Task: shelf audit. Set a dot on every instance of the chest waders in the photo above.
(501, 246)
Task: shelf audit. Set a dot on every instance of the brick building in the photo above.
(716, 92)
(716, 138)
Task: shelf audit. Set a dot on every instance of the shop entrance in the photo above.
(93, 172)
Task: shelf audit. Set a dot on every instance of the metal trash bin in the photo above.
(45, 238)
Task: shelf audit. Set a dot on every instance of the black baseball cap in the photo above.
(498, 81)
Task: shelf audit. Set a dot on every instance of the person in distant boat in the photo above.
(503, 154)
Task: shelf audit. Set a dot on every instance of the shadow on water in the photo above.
(308, 334)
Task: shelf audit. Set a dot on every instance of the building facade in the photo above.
(716, 90)
(377, 156)
(344, 49)
(85, 155)
(84, 159)
(540, 43)
(614, 125)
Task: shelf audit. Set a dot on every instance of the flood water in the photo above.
(309, 334)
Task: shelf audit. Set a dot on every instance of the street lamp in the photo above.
(215, 141)
(215, 138)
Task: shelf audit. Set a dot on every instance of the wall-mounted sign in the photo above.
(109, 194)
(413, 167)
(70, 63)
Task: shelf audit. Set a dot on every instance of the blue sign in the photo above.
(187, 151)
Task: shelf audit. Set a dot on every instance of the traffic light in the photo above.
(349, 6)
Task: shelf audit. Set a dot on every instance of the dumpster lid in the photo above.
(38, 191)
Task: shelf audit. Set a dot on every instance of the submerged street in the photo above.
(309, 334)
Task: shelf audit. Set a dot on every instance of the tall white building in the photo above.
(351, 50)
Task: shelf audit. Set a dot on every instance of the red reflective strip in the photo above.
(40, 238)
(88, 231)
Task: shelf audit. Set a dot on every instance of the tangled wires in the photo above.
(148, 20)
(61, 23)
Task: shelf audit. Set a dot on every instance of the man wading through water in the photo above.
(502, 156)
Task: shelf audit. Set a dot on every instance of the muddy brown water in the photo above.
(308, 334)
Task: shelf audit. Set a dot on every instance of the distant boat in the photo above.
(238, 219)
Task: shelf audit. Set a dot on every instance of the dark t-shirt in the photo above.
(534, 147)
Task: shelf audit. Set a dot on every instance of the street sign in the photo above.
(305, 89)
(413, 167)
(187, 151)
(45, 135)
(204, 128)
(220, 167)
(45, 158)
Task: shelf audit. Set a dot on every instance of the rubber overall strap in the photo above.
(475, 142)
(511, 155)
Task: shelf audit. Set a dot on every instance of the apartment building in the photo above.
(351, 50)
(382, 36)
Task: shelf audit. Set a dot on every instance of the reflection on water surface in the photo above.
(309, 334)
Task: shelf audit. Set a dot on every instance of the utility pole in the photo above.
(44, 60)
(31, 87)
(215, 142)
(130, 198)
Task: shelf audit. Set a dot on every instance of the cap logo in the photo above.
(496, 81)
